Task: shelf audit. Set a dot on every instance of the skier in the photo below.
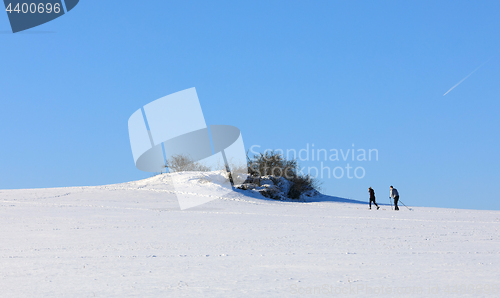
(395, 195)
(372, 197)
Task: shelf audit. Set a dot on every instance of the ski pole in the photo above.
(390, 201)
(404, 205)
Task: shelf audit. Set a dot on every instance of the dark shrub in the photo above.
(300, 185)
(272, 163)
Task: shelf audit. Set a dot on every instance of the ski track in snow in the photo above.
(131, 239)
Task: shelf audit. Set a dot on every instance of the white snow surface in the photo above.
(132, 239)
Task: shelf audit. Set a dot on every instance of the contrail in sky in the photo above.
(466, 77)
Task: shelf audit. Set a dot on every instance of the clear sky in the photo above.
(286, 73)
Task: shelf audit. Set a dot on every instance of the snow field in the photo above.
(131, 239)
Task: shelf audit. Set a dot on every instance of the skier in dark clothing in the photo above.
(372, 198)
(395, 195)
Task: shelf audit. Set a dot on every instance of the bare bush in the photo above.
(182, 163)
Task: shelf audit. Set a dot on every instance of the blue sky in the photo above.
(287, 73)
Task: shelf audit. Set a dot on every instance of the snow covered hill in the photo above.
(131, 239)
